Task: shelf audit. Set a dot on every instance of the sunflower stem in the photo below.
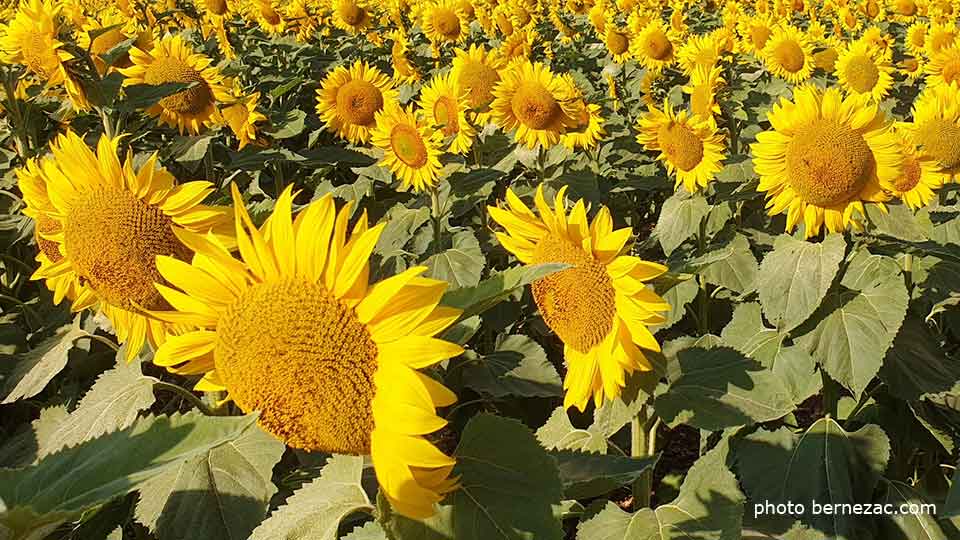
(437, 219)
(185, 394)
(703, 317)
(643, 444)
(107, 125)
(830, 395)
(908, 270)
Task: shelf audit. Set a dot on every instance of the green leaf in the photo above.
(508, 484)
(290, 124)
(907, 526)
(916, 366)
(679, 219)
(951, 507)
(865, 269)
(461, 265)
(518, 367)
(719, 387)
(36, 368)
(218, 495)
(490, 292)
(558, 433)
(402, 222)
(112, 404)
(314, 512)
(795, 276)
(854, 330)
(65, 484)
(143, 96)
(585, 475)
(370, 530)
(826, 464)
(732, 266)
(190, 149)
(678, 296)
(900, 222)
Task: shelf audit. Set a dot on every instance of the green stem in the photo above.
(107, 125)
(104, 340)
(185, 394)
(642, 444)
(831, 395)
(703, 316)
(908, 269)
(437, 219)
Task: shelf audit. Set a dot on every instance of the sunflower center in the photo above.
(910, 177)
(826, 59)
(478, 79)
(445, 115)
(576, 303)
(217, 7)
(358, 101)
(617, 42)
(447, 23)
(918, 38)
(270, 15)
(503, 24)
(658, 46)
(682, 146)
(759, 36)
(701, 100)
(906, 7)
(193, 100)
(789, 55)
(873, 9)
(113, 239)
(351, 13)
(940, 139)
(951, 69)
(828, 163)
(294, 352)
(408, 145)
(535, 106)
(862, 74)
(48, 225)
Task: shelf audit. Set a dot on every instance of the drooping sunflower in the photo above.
(242, 118)
(411, 146)
(788, 54)
(349, 99)
(446, 103)
(935, 128)
(702, 89)
(920, 179)
(653, 47)
(944, 66)
(689, 147)
(599, 307)
(111, 28)
(586, 128)
(539, 105)
(477, 72)
(824, 158)
(295, 330)
(111, 222)
(172, 60)
(444, 21)
(351, 16)
(863, 71)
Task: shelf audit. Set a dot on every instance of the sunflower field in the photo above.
(479, 269)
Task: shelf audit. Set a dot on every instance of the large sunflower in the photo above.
(295, 331)
(864, 71)
(788, 54)
(940, 36)
(652, 47)
(539, 105)
(689, 147)
(446, 104)
(411, 147)
(824, 158)
(936, 127)
(242, 118)
(477, 72)
(349, 99)
(600, 307)
(444, 21)
(172, 60)
(944, 66)
(110, 223)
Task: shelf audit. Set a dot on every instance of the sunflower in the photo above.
(242, 118)
(788, 54)
(599, 307)
(502, 20)
(848, 20)
(863, 71)
(295, 331)
(446, 103)
(939, 36)
(349, 99)
(916, 38)
(111, 28)
(586, 130)
(874, 10)
(826, 58)
(689, 147)
(903, 10)
(444, 21)
(217, 8)
(411, 147)
(172, 60)
(912, 67)
(702, 88)
(519, 44)
(268, 16)
(110, 223)
(539, 105)
(824, 158)
(936, 127)
(919, 180)
(652, 46)
(755, 32)
(404, 71)
(351, 16)
(699, 52)
(477, 72)
(944, 66)
(617, 42)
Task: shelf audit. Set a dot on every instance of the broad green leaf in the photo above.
(854, 329)
(900, 222)
(795, 277)
(615, 413)
(916, 365)
(719, 387)
(679, 219)
(190, 149)
(865, 269)
(732, 266)
(36, 368)
(65, 484)
(370, 530)
(518, 367)
(218, 495)
(401, 224)
(461, 265)
(112, 404)
(826, 464)
(907, 526)
(143, 96)
(493, 290)
(558, 433)
(436, 527)
(290, 124)
(678, 297)
(586, 475)
(314, 512)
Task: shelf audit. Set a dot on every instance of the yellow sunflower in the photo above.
(111, 223)
(903, 10)
(477, 72)
(916, 38)
(826, 58)
(912, 67)
(444, 21)
(539, 105)
(702, 88)
(242, 118)
(295, 331)
(446, 103)
(411, 147)
(268, 16)
(940, 36)
(936, 127)
(351, 16)
(348, 100)
(586, 128)
(519, 44)
(699, 52)
(824, 158)
(788, 54)
(172, 60)
(653, 47)
(617, 42)
(600, 307)
(111, 27)
(920, 179)
(863, 71)
(944, 66)
(404, 71)
(689, 147)
(754, 33)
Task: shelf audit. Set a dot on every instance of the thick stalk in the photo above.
(437, 219)
(642, 444)
(185, 394)
(703, 315)
(908, 269)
